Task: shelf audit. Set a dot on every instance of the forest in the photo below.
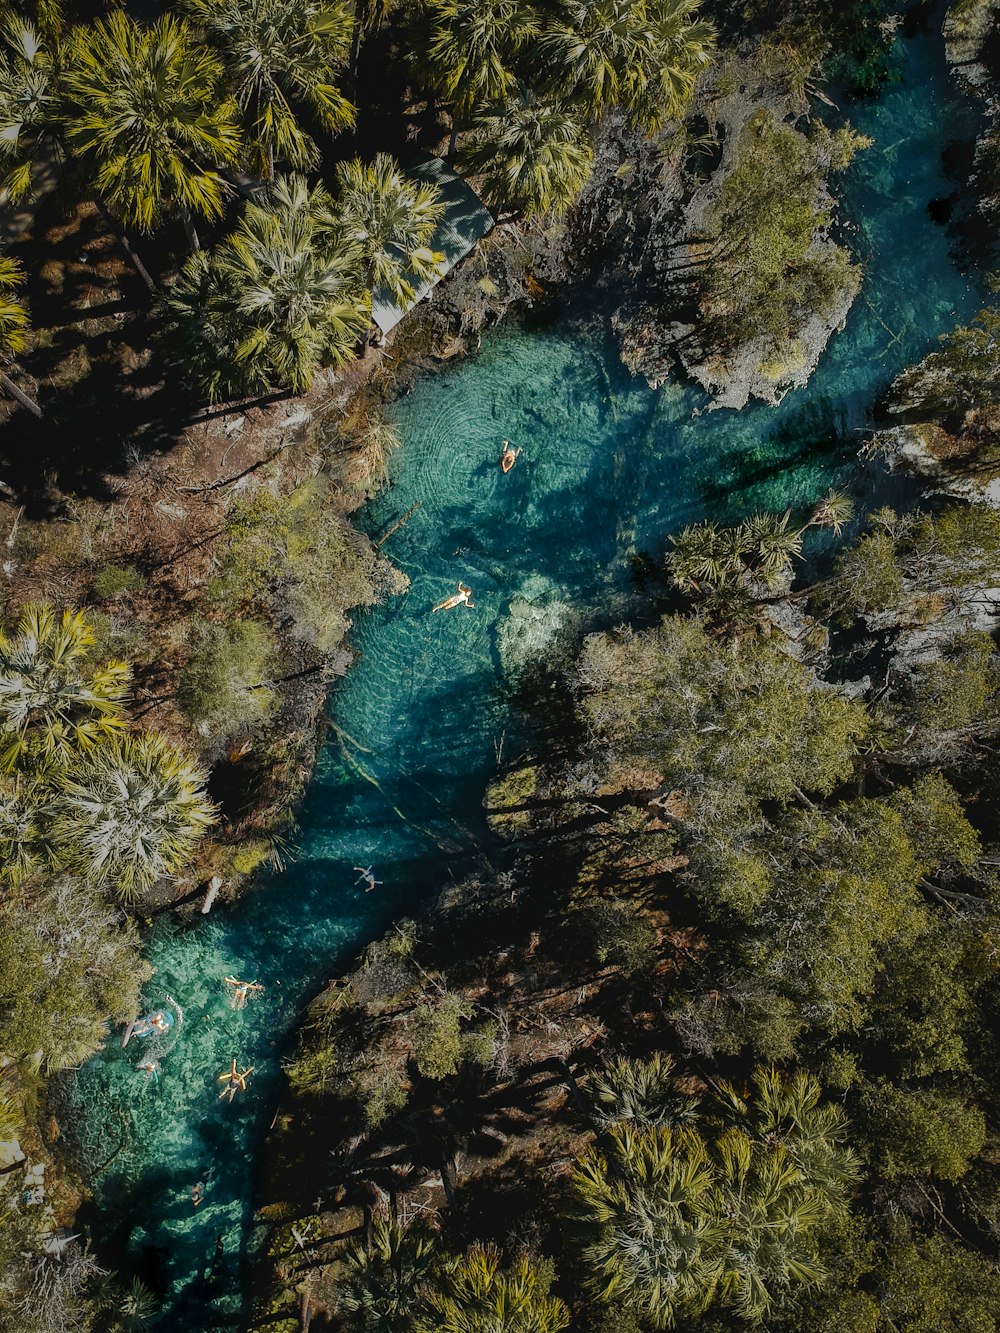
(716, 1046)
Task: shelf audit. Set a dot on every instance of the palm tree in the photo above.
(53, 704)
(14, 326)
(643, 1091)
(703, 554)
(643, 56)
(279, 299)
(146, 111)
(673, 1220)
(534, 157)
(471, 49)
(473, 1295)
(650, 1237)
(378, 1291)
(22, 845)
(27, 101)
(834, 511)
(278, 53)
(129, 813)
(390, 220)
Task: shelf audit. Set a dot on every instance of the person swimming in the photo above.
(368, 878)
(461, 598)
(234, 1079)
(509, 456)
(240, 991)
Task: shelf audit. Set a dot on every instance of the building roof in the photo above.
(465, 221)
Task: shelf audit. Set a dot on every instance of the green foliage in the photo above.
(643, 56)
(678, 699)
(474, 1293)
(643, 1091)
(389, 220)
(962, 375)
(114, 581)
(531, 156)
(471, 49)
(766, 273)
(673, 1220)
(224, 682)
(934, 1285)
(278, 299)
(378, 1290)
(54, 704)
(27, 100)
(70, 965)
(277, 53)
(920, 1131)
(437, 1037)
(129, 813)
(146, 112)
(617, 933)
(14, 322)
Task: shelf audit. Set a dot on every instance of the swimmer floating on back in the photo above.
(461, 598)
(509, 456)
(235, 1080)
(240, 991)
(368, 877)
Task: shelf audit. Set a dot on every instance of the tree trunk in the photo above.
(189, 229)
(19, 394)
(355, 56)
(453, 141)
(125, 243)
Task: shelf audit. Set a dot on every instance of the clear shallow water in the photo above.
(608, 469)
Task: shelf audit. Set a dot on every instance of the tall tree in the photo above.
(674, 1220)
(534, 157)
(380, 1287)
(54, 702)
(14, 324)
(471, 51)
(130, 813)
(474, 1293)
(640, 55)
(279, 298)
(28, 100)
(147, 113)
(390, 220)
(279, 54)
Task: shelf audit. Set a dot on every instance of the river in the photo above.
(608, 468)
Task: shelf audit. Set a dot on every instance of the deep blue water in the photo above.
(608, 469)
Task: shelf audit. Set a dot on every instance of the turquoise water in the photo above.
(609, 467)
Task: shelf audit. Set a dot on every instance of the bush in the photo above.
(223, 685)
(114, 581)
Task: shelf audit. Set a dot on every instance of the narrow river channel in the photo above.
(608, 469)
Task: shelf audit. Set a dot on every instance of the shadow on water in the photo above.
(609, 468)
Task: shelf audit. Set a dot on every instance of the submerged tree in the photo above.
(148, 115)
(279, 53)
(389, 219)
(534, 157)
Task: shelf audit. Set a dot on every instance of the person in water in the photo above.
(509, 456)
(368, 878)
(461, 598)
(234, 1079)
(150, 1067)
(198, 1193)
(240, 991)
